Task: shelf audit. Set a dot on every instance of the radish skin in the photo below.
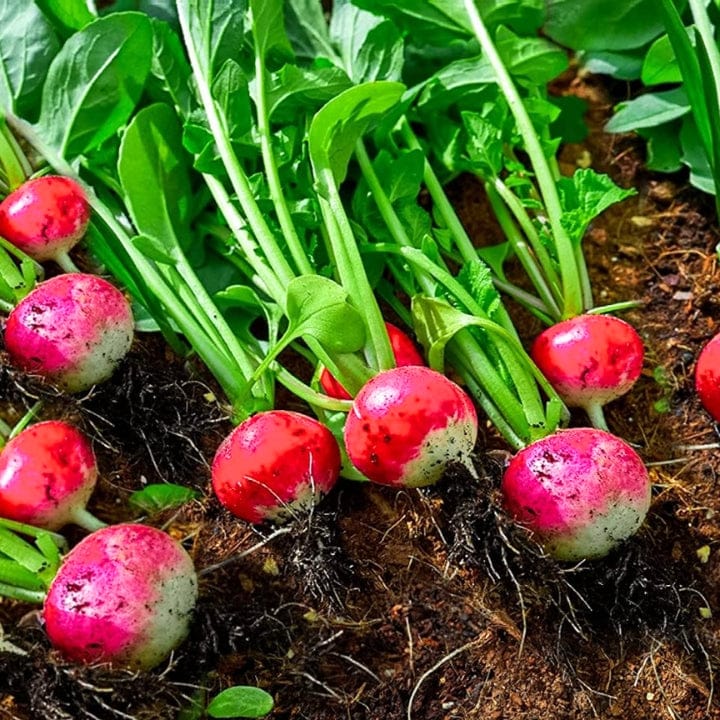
(45, 217)
(47, 474)
(707, 377)
(274, 464)
(590, 360)
(403, 349)
(124, 595)
(73, 329)
(581, 491)
(407, 425)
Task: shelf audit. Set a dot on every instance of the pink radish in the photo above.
(707, 377)
(124, 595)
(581, 491)
(47, 474)
(45, 217)
(403, 349)
(72, 329)
(590, 360)
(407, 425)
(273, 464)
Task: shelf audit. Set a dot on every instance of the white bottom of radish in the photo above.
(598, 538)
(450, 444)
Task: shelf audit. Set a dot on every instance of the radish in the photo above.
(407, 424)
(590, 360)
(403, 349)
(124, 595)
(45, 217)
(707, 377)
(47, 474)
(581, 491)
(273, 464)
(72, 329)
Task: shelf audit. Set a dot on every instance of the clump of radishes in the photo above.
(590, 360)
(707, 377)
(404, 351)
(45, 217)
(73, 329)
(581, 491)
(124, 595)
(407, 425)
(274, 464)
(47, 474)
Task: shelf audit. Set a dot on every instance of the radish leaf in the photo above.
(94, 83)
(240, 701)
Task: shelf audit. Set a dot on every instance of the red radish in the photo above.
(407, 424)
(274, 463)
(124, 595)
(72, 329)
(47, 474)
(590, 360)
(403, 349)
(45, 217)
(707, 377)
(581, 491)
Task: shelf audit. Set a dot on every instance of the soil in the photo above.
(430, 605)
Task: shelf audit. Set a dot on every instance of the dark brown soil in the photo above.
(430, 605)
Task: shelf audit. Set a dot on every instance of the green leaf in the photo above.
(295, 90)
(170, 71)
(152, 167)
(477, 278)
(534, 58)
(371, 48)
(338, 125)
(268, 27)
(71, 14)
(240, 701)
(602, 25)
(27, 43)
(663, 146)
(649, 110)
(161, 496)
(318, 306)
(307, 30)
(485, 143)
(154, 249)
(585, 196)
(660, 65)
(402, 174)
(695, 157)
(431, 22)
(94, 83)
(225, 21)
(230, 89)
(624, 65)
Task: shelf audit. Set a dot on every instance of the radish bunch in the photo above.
(124, 595)
(45, 217)
(73, 330)
(47, 474)
(274, 464)
(590, 360)
(581, 491)
(407, 425)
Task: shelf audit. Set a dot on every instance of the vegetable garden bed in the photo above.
(424, 604)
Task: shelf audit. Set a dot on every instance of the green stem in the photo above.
(596, 415)
(569, 272)
(531, 303)
(238, 179)
(351, 271)
(310, 396)
(85, 519)
(17, 169)
(66, 263)
(25, 420)
(273, 177)
(21, 594)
